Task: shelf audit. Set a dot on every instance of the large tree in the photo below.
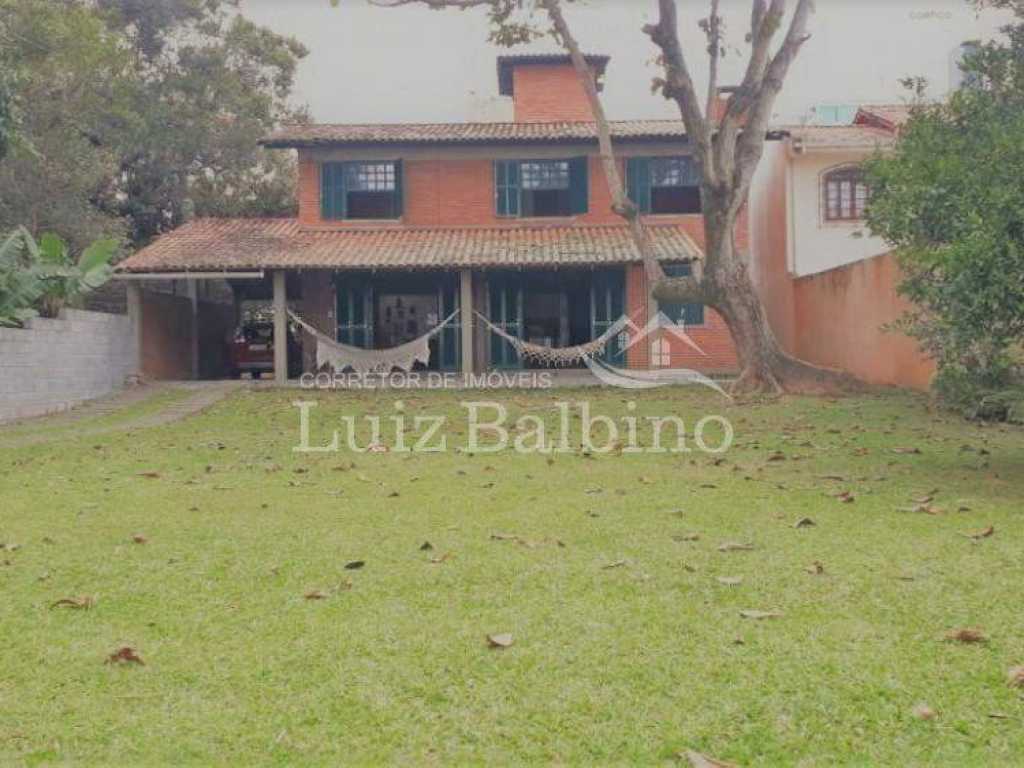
(131, 115)
(950, 198)
(727, 151)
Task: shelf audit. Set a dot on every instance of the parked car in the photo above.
(252, 351)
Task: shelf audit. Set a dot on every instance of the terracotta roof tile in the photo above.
(467, 133)
(245, 244)
(841, 136)
(887, 116)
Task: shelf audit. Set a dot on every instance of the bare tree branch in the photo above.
(621, 203)
(750, 145)
(678, 84)
(714, 32)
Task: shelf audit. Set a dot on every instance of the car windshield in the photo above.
(258, 333)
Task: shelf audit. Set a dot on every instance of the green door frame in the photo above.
(505, 310)
(607, 305)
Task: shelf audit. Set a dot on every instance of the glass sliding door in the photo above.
(607, 305)
(505, 310)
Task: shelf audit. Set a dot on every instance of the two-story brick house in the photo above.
(401, 224)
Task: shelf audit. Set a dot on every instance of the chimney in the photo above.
(545, 87)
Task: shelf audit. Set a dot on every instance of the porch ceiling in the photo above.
(247, 244)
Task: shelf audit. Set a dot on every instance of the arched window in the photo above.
(845, 194)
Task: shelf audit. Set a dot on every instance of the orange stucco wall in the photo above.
(839, 316)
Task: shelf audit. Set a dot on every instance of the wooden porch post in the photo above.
(466, 318)
(280, 328)
(134, 293)
(193, 295)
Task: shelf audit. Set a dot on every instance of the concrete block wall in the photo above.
(54, 364)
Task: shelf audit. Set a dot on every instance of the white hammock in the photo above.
(363, 361)
(559, 356)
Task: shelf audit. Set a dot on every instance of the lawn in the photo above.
(218, 554)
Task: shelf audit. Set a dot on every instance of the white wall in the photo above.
(815, 245)
(52, 365)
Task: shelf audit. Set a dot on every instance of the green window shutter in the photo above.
(579, 186)
(506, 187)
(399, 196)
(332, 190)
(638, 182)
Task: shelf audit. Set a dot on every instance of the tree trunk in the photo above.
(726, 286)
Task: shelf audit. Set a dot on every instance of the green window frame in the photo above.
(515, 181)
(378, 182)
(689, 314)
(655, 183)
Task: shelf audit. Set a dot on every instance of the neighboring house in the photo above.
(829, 285)
(401, 224)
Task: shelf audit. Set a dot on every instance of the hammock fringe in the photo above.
(559, 356)
(341, 356)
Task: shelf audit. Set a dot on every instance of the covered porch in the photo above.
(552, 286)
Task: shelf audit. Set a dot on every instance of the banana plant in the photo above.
(66, 280)
(21, 284)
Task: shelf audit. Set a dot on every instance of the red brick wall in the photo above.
(317, 308)
(548, 94)
(309, 189)
(460, 193)
(712, 337)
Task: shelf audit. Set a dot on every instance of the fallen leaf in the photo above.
(316, 594)
(776, 456)
(804, 522)
(984, 533)
(687, 537)
(697, 760)
(441, 558)
(125, 655)
(138, 538)
(998, 715)
(760, 614)
(923, 712)
(730, 581)
(82, 601)
(355, 565)
(426, 546)
(1015, 677)
(816, 568)
(499, 641)
(912, 450)
(151, 475)
(735, 546)
(616, 564)
(967, 635)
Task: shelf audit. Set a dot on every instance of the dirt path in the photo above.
(199, 398)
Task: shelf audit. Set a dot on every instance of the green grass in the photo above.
(624, 665)
(70, 423)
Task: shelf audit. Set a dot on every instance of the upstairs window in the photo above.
(845, 194)
(663, 184)
(537, 188)
(361, 190)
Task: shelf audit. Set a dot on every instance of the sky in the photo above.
(412, 64)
